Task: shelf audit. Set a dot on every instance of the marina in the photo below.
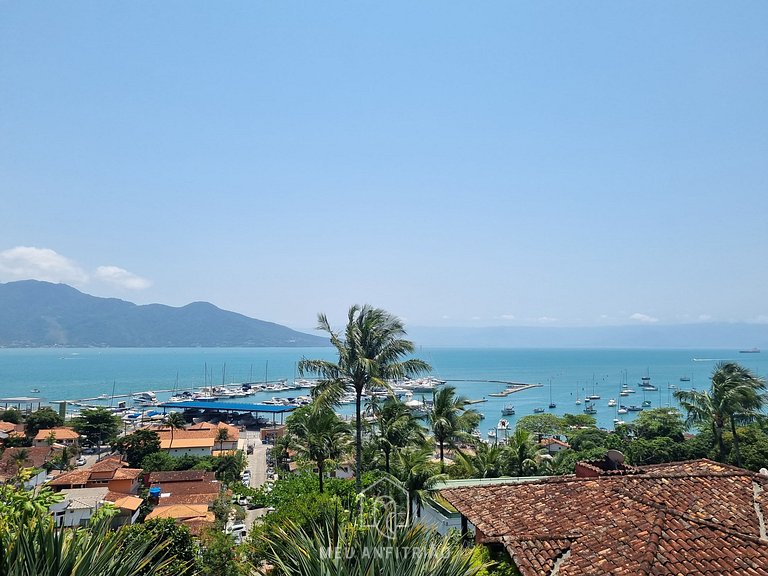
(108, 377)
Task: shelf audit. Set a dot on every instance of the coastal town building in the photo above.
(33, 458)
(80, 504)
(61, 435)
(111, 472)
(695, 517)
(554, 445)
(185, 496)
(9, 430)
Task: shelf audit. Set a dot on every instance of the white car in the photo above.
(80, 461)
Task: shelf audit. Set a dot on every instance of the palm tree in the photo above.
(175, 421)
(736, 396)
(419, 475)
(318, 434)
(396, 426)
(371, 352)
(450, 420)
(222, 435)
(521, 455)
(486, 462)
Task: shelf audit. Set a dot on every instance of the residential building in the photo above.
(31, 457)
(80, 504)
(697, 517)
(61, 435)
(111, 472)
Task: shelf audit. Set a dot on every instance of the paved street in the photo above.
(257, 464)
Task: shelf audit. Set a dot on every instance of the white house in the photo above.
(78, 505)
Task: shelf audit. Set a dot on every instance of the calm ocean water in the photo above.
(83, 373)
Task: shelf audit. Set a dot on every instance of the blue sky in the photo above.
(497, 163)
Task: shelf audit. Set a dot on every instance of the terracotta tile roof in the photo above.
(74, 478)
(124, 501)
(179, 476)
(7, 427)
(233, 431)
(206, 498)
(36, 457)
(109, 464)
(689, 518)
(127, 474)
(204, 442)
(180, 512)
(198, 487)
(60, 433)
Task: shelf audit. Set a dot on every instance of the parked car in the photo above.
(80, 461)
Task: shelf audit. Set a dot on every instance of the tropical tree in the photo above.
(371, 352)
(736, 396)
(418, 474)
(136, 446)
(98, 425)
(319, 435)
(487, 461)
(450, 419)
(31, 543)
(521, 455)
(396, 427)
(175, 421)
(42, 419)
(222, 435)
(327, 547)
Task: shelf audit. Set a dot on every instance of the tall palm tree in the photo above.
(735, 397)
(419, 475)
(371, 352)
(222, 435)
(318, 434)
(396, 427)
(450, 419)
(175, 421)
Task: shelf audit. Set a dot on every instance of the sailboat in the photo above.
(551, 403)
(578, 402)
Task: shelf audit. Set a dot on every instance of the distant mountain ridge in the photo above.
(40, 314)
(710, 335)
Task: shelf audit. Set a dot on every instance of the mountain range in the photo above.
(40, 314)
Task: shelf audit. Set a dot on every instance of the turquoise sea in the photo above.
(71, 374)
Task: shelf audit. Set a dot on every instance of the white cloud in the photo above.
(546, 319)
(507, 316)
(475, 318)
(445, 317)
(28, 262)
(643, 318)
(761, 319)
(704, 317)
(122, 278)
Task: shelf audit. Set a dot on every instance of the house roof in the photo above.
(84, 498)
(124, 501)
(59, 433)
(696, 517)
(36, 457)
(73, 478)
(179, 476)
(180, 512)
(110, 468)
(232, 431)
(200, 442)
